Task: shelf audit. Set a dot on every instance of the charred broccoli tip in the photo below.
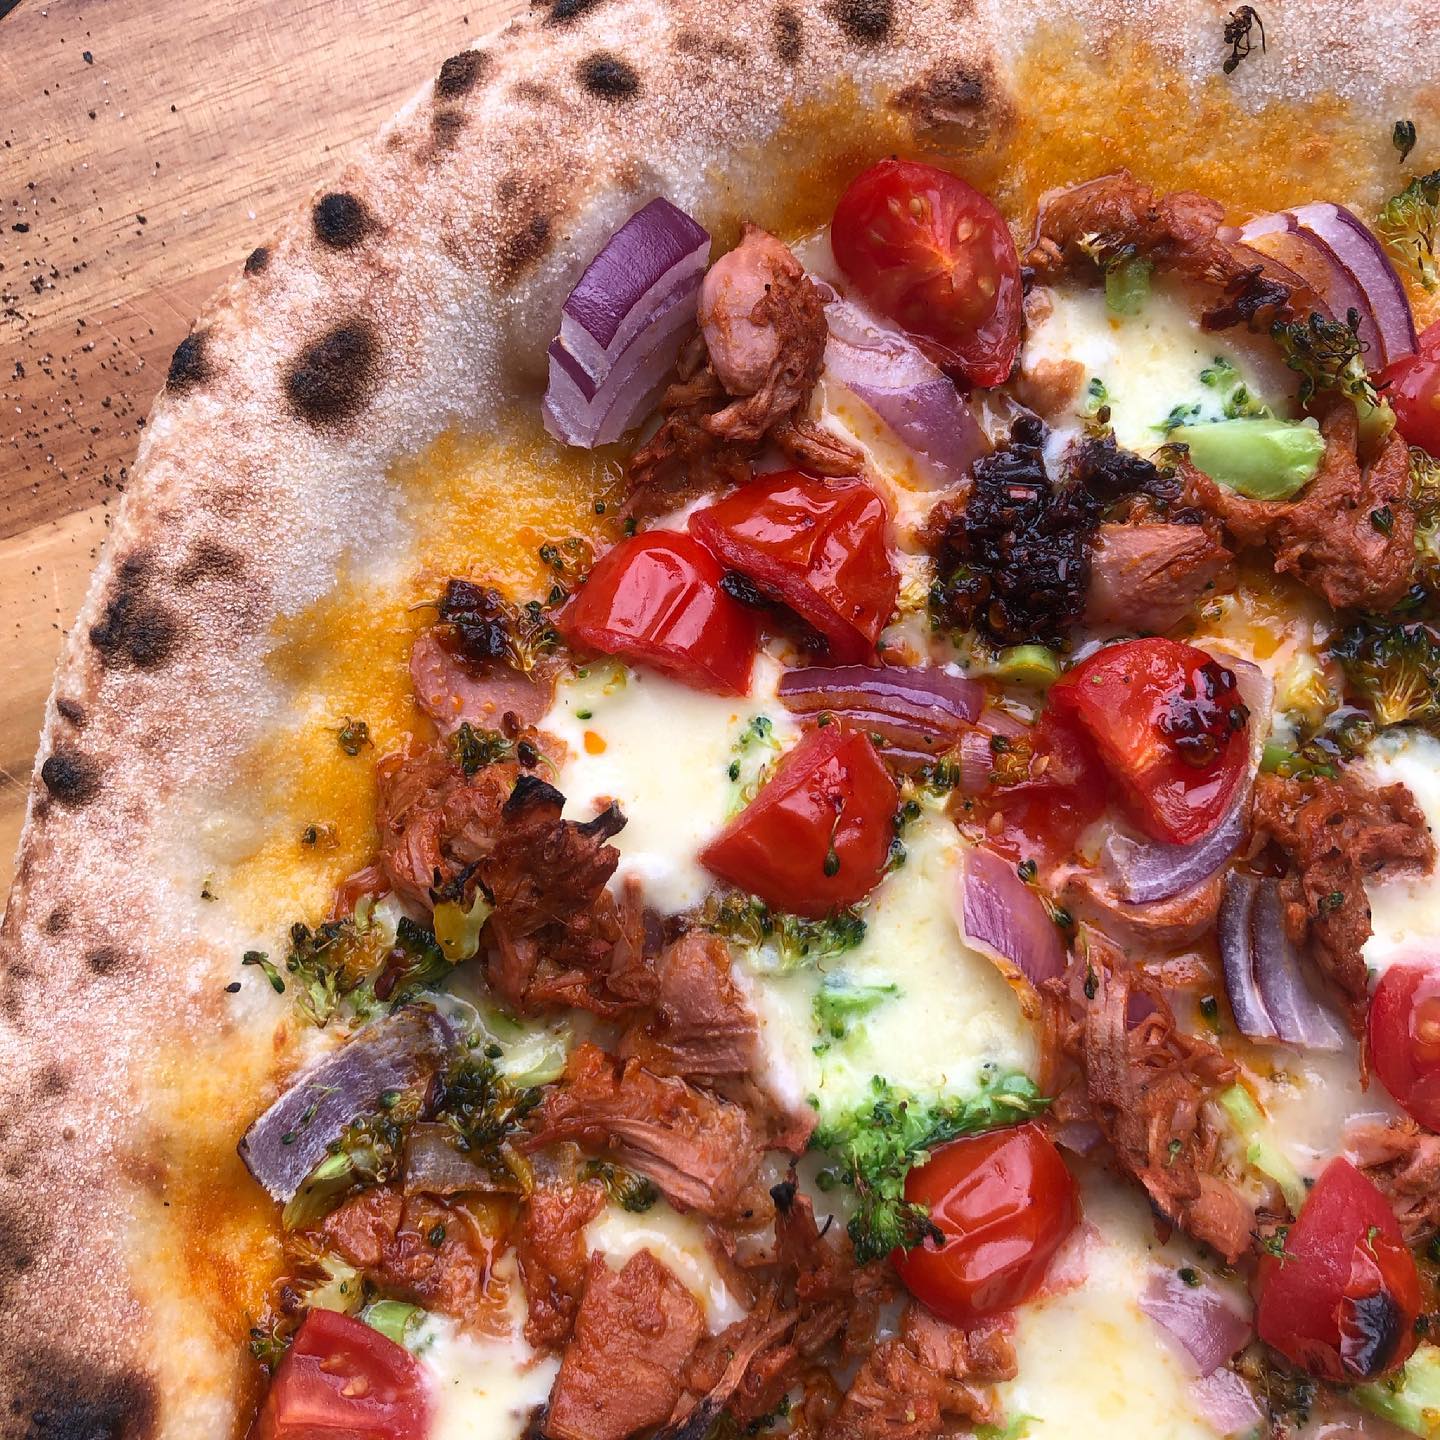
(1395, 669)
(1407, 224)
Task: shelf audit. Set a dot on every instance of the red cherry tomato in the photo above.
(818, 545)
(656, 599)
(1404, 1039)
(1005, 1202)
(937, 257)
(1170, 727)
(1050, 785)
(341, 1380)
(817, 836)
(1341, 1301)
(1412, 386)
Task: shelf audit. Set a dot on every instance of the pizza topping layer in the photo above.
(906, 900)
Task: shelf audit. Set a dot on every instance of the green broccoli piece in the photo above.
(840, 1000)
(1327, 355)
(629, 1192)
(1407, 223)
(873, 1147)
(797, 941)
(1395, 669)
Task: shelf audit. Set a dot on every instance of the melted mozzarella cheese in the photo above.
(952, 1015)
(1405, 909)
(1148, 363)
(484, 1385)
(663, 752)
(678, 1242)
(1091, 1362)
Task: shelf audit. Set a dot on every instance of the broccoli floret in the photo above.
(873, 1147)
(840, 1000)
(1407, 225)
(1424, 486)
(796, 941)
(1327, 355)
(475, 748)
(629, 1192)
(1395, 669)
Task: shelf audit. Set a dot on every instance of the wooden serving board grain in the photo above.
(146, 146)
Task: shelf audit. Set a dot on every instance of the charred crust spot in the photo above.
(787, 34)
(526, 245)
(865, 22)
(136, 629)
(67, 1398)
(334, 377)
(445, 128)
(189, 365)
(72, 778)
(57, 921)
(103, 960)
(53, 1079)
(71, 711)
(562, 12)
(341, 220)
(209, 560)
(461, 73)
(957, 96)
(530, 792)
(257, 260)
(608, 77)
(707, 47)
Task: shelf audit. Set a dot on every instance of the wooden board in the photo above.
(146, 146)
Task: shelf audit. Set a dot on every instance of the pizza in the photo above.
(756, 755)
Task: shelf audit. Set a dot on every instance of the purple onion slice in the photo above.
(397, 1052)
(623, 324)
(1000, 914)
(1201, 1317)
(1300, 1018)
(1237, 956)
(909, 394)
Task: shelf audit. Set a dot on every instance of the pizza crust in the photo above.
(415, 296)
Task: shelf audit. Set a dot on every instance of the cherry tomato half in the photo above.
(1341, 1301)
(818, 545)
(656, 599)
(1170, 726)
(818, 834)
(1404, 1038)
(1412, 386)
(1005, 1203)
(1049, 785)
(341, 1380)
(937, 257)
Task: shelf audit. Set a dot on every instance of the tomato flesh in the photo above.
(1050, 785)
(1403, 1034)
(1005, 1202)
(1412, 386)
(817, 836)
(1170, 727)
(818, 545)
(655, 599)
(342, 1379)
(934, 255)
(1341, 1302)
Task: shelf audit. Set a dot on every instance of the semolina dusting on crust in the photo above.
(414, 300)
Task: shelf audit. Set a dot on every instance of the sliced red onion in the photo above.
(1201, 1318)
(623, 324)
(1263, 976)
(394, 1053)
(886, 371)
(1361, 254)
(433, 1166)
(1299, 1016)
(920, 713)
(1224, 1401)
(1237, 956)
(1346, 267)
(1001, 915)
(1144, 871)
